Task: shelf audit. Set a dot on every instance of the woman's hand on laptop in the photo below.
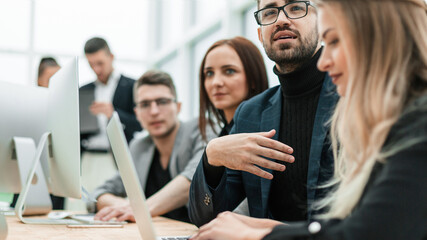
(232, 226)
(122, 212)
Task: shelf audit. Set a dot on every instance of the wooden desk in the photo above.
(164, 227)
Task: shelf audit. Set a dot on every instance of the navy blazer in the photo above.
(261, 114)
(123, 103)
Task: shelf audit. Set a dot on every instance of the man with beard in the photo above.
(282, 128)
(165, 159)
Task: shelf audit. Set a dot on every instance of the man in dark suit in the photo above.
(282, 128)
(113, 92)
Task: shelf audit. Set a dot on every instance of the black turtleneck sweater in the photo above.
(301, 91)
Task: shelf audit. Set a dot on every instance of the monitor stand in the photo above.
(34, 200)
(34, 197)
(3, 227)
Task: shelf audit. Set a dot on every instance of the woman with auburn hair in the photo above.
(376, 54)
(231, 71)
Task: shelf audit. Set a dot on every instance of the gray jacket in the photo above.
(186, 154)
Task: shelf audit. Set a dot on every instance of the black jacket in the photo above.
(123, 103)
(394, 202)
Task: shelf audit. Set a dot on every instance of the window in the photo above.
(15, 25)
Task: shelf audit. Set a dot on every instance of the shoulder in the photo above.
(190, 124)
(125, 82)
(254, 107)
(413, 121)
(407, 139)
(189, 133)
(264, 97)
(189, 129)
(88, 86)
(140, 143)
(259, 102)
(126, 79)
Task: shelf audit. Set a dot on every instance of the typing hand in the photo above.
(245, 152)
(102, 108)
(229, 226)
(120, 212)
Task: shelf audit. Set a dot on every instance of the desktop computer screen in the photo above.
(30, 112)
(64, 125)
(24, 114)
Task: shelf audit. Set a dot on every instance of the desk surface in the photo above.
(164, 227)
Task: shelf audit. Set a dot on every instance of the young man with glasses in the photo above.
(165, 159)
(278, 152)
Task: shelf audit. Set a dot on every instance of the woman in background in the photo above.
(376, 54)
(232, 71)
(47, 67)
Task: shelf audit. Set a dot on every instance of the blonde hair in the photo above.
(388, 64)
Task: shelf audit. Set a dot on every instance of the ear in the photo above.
(178, 107)
(260, 35)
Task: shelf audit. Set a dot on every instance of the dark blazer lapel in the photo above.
(270, 120)
(327, 100)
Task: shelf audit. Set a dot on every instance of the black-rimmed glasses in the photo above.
(292, 10)
(160, 102)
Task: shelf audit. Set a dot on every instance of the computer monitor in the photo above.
(63, 124)
(24, 114)
(50, 118)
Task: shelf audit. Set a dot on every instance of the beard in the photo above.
(288, 56)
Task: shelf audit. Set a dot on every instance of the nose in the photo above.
(154, 108)
(325, 62)
(97, 70)
(217, 80)
(282, 18)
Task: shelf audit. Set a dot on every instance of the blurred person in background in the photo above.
(47, 67)
(112, 91)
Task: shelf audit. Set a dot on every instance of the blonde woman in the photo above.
(376, 54)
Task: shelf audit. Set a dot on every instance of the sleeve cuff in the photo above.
(213, 174)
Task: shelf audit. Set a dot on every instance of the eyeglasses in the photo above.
(292, 10)
(161, 103)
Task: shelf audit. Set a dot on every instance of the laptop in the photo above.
(88, 121)
(131, 182)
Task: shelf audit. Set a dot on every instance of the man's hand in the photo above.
(231, 226)
(122, 212)
(111, 206)
(102, 108)
(246, 152)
